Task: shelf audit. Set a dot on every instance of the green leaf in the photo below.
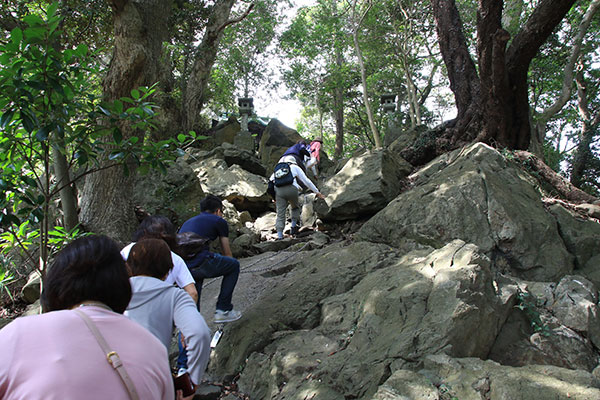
(16, 36)
(118, 106)
(42, 134)
(181, 137)
(35, 33)
(81, 50)
(81, 156)
(135, 94)
(117, 135)
(51, 11)
(105, 111)
(6, 118)
(28, 123)
(9, 219)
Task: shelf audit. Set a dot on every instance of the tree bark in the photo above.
(567, 84)
(338, 114)
(583, 154)
(204, 59)
(140, 28)
(68, 200)
(357, 22)
(493, 107)
(558, 182)
(462, 74)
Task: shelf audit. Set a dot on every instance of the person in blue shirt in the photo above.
(206, 264)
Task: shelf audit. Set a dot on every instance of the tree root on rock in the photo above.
(563, 187)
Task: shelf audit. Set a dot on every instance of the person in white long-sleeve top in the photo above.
(288, 178)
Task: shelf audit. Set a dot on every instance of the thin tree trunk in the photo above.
(583, 154)
(338, 114)
(357, 22)
(68, 200)
(204, 59)
(567, 84)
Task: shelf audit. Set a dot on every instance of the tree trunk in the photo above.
(338, 114)
(583, 154)
(462, 74)
(204, 58)
(495, 91)
(567, 84)
(140, 28)
(68, 200)
(363, 78)
(356, 23)
(493, 107)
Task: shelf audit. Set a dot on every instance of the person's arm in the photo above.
(225, 248)
(197, 335)
(191, 290)
(180, 274)
(301, 176)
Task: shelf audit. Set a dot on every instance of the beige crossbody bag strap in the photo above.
(111, 356)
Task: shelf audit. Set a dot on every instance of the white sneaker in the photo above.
(227, 316)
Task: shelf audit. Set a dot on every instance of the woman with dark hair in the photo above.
(58, 355)
(159, 227)
(158, 306)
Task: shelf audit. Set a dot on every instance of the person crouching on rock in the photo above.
(158, 305)
(287, 178)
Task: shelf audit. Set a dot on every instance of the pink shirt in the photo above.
(315, 148)
(56, 356)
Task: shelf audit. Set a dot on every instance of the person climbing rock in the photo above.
(210, 224)
(287, 178)
(160, 227)
(315, 156)
(297, 154)
(159, 306)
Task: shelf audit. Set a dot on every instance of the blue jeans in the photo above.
(213, 266)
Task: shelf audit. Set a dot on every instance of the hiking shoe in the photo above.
(294, 230)
(227, 316)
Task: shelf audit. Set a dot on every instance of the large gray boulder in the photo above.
(231, 154)
(274, 141)
(476, 195)
(176, 194)
(363, 186)
(31, 291)
(223, 132)
(552, 324)
(344, 316)
(246, 191)
(581, 237)
(475, 379)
